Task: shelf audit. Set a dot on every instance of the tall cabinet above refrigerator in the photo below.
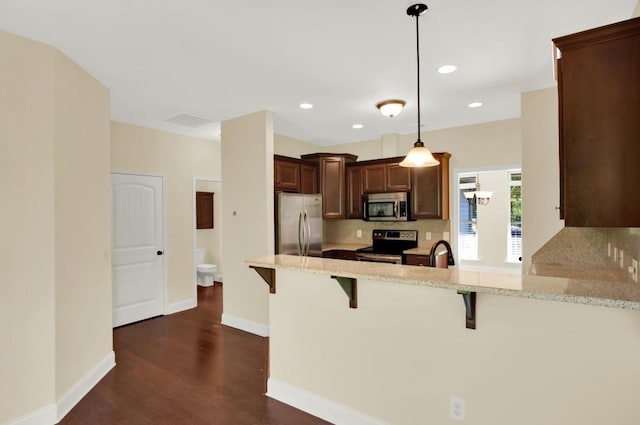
(299, 224)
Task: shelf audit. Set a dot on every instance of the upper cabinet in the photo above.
(204, 210)
(430, 189)
(332, 169)
(598, 75)
(429, 186)
(386, 176)
(294, 175)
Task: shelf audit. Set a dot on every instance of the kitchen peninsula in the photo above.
(398, 357)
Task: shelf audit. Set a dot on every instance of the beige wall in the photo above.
(247, 213)
(56, 275)
(289, 146)
(528, 362)
(27, 274)
(178, 158)
(211, 239)
(636, 12)
(82, 223)
(540, 171)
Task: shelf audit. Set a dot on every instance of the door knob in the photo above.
(159, 252)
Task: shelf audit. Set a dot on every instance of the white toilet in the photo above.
(206, 272)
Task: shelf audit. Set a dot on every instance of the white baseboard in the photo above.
(315, 405)
(182, 305)
(44, 415)
(245, 325)
(84, 385)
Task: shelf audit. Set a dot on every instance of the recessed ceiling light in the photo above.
(357, 126)
(306, 105)
(447, 69)
(475, 104)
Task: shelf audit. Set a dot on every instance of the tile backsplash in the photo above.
(345, 231)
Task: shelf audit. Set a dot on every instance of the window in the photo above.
(514, 244)
(468, 233)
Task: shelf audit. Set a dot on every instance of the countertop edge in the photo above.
(434, 278)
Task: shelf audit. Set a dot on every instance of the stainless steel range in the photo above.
(388, 246)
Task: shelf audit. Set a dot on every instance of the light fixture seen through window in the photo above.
(482, 197)
(391, 108)
(419, 155)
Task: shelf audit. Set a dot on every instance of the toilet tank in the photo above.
(200, 253)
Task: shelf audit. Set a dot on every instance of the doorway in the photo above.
(210, 238)
(138, 258)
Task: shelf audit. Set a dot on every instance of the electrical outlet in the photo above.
(358, 233)
(456, 408)
(615, 254)
(445, 236)
(634, 269)
(608, 249)
(621, 258)
(428, 235)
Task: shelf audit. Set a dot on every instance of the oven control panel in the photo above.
(397, 235)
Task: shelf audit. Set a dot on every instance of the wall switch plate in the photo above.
(615, 254)
(634, 272)
(445, 236)
(608, 249)
(621, 258)
(428, 236)
(358, 233)
(456, 408)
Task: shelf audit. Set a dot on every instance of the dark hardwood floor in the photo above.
(186, 369)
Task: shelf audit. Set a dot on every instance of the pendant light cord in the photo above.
(418, 67)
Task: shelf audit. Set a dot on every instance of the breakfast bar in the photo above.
(547, 349)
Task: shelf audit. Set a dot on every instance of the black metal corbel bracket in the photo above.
(469, 299)
(268, 275)
(350, 287)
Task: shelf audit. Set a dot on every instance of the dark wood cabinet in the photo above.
(286, 172)
(339, 254)
(599, 117)
(204, 210)
(294, 175)
(416, 260)
(386, 176)
(430, 190)
(354, 192)
(332, 178)
(308, 178)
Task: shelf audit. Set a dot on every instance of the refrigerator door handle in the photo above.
(307, 233)
(300, 234)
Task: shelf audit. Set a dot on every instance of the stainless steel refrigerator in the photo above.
(299, 224)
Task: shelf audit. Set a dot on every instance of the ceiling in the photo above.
(219, 59)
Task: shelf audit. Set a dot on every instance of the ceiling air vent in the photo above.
(189, 120)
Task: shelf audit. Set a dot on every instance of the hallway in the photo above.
(186, 368)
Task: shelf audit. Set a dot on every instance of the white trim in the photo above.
(84, 385)
(183, 305)
(326, 409)
(245, 325)
(44, 415)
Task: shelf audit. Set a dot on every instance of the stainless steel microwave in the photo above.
(393, 206)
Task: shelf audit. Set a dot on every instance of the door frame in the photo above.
(165, 289)
(193, 226)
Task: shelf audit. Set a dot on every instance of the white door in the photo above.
(137, 247)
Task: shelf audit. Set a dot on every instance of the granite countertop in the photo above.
(575, 286)
(343, 246)
(421, 250)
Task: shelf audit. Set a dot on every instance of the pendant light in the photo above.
(419, 155)
(482, 197)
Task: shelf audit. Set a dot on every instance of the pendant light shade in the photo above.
(419, 155)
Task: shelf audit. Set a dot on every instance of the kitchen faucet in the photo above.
(432, 253)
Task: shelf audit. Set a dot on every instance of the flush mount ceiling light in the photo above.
(391, 108)
(419, 155)
(306, 106)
